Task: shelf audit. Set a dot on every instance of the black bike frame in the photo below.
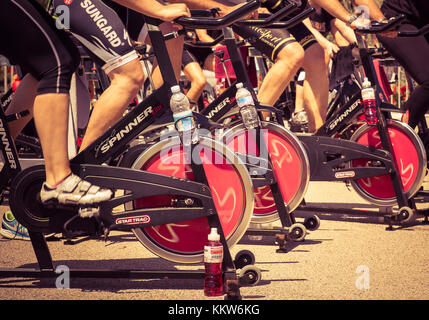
(11, 166)
(110, 145)
(227, 101)
(323, 143)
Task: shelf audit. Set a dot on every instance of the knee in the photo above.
(136, 77)
(130, 76)
(200, 82)
(292, 54)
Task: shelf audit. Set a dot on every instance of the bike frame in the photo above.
(322, 143)
(110, 145)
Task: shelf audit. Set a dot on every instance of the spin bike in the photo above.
(385, 163)
(262, 149)
(197, 198)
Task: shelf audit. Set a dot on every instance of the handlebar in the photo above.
(267, 22)
(420, 32)
(292, 21)
(214, 12)
(218, 23)
(382, 26)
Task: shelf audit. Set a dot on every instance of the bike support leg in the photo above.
(393, 169)
(230, 279)
(287, 218)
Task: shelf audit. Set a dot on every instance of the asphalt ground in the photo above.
(350, 257)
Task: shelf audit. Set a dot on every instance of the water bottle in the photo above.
(247, 107)
(213, 257)
(369, 103)
(182, 115)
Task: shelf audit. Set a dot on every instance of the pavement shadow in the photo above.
(110, 284)
(350, 212)
(122, 284)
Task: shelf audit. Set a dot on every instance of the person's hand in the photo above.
(363, 23)
(360, 23)
(331, 48)
(172, 11)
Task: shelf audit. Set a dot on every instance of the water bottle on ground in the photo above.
(369, 103)
(246, 104)
(213, 257)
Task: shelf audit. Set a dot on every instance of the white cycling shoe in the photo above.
(74, 191)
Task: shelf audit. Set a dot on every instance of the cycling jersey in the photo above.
(29, 38)
(100, 31)
(416, 11)
(132, 20)
(411, 52)
(46, 4)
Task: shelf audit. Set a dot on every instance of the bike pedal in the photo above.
(88, 212)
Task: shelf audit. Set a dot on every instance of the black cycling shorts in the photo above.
(198, 55)
(187, 58)
(29, 38)
(100, 30)
(271, 41)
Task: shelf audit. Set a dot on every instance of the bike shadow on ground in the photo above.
(270, 241)
(111, 284)
(354, 213)
(122, 285)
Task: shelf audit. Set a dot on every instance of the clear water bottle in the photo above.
(182, 115)
(246, 104)
(213, 257)
(369, 103)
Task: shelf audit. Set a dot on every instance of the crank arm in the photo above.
(141, 184)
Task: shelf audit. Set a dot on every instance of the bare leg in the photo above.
(194, 73)
(288, 62)
(209, 64)
(126, 81)
(51, 118)
(316, 86)
(299, 98)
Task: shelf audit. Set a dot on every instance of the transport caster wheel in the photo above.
(297, 232)
(312, 223)
(244, 258)
(405, 215)
(249, 276)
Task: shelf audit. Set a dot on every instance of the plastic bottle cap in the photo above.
(366, 83)
(175, 89)
(239, 85)
(214, 236)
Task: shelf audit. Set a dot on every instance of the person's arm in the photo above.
(330, 47)
(335, 8)
(155, 9)
(203, 36)
(209, 4)
(374, 11)
(341, 31)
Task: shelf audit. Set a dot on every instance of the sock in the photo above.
(58, 183)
